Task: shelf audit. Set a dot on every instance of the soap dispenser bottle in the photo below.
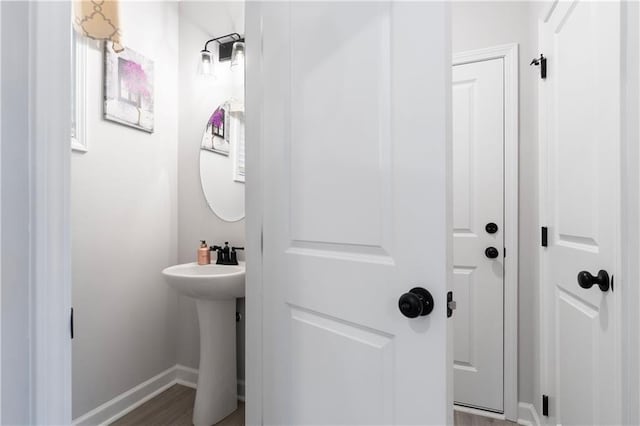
(204, 255)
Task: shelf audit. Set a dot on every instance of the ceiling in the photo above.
(216, 18)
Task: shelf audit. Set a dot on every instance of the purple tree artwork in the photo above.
(134, 83)
(217, 122)
(216, 137)
(129, 89)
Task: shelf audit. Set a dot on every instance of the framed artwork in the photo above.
(216, 135)
(128, 88)
(217, 122)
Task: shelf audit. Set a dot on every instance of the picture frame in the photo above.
(128, 88)
(216, 135)
(217, 128)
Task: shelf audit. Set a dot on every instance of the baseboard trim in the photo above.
(241, 393)
(527, 414)
(478, 412)
(186, 376)
(128, 401)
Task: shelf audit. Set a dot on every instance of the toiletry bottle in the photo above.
(204, 255)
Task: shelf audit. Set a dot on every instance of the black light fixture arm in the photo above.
(232, 36)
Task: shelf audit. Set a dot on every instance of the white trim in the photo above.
(527, 415)
(478, 412)
(632, 399)
(253, 214)
(79, 143)
(543, 320)
(50, 230)
(509, 54)
(1, 258)
(241, 390)
(550, 7)
(186, 376)
(128, 401)
(629, 319)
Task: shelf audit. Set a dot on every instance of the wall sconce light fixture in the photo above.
(206, 64)
(237, 55)
(230, 47)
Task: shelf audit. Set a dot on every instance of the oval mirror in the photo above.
(222, 161)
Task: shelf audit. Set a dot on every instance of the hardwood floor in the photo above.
(466, 419)
(173, 407)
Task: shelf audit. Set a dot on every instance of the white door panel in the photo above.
(580, 183)
(354, 182)
(478, 199)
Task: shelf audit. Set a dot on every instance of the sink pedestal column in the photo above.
(216, 396)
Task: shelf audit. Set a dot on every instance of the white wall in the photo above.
(124, 220)
(200, 21)
(477, 25)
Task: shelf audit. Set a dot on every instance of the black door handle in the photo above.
(418, 302)
(491, 252)
(586, 280)
(491, 228)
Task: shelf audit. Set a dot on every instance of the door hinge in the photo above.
(543, 236)
(545, 405)
(542, 63)
(451, 304)
(71, 323)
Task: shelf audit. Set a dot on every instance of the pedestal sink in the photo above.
(215, 288)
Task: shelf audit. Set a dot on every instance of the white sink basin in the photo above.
(211, 282)
(215, 288)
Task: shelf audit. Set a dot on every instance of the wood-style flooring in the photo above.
(466, 419)
(174, 407)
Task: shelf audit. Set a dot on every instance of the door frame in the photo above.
(630, 213)
(254, 193)
(50, 240)
(509, 54)
(47, 166)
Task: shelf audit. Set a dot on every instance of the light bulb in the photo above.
(206, 64)
(237, 54)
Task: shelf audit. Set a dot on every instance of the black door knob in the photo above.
(491, 252)
(586, 280)
(491, 228)
(418, 302)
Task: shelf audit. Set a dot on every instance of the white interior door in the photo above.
(580, 139)
(355, 153)
(478, 233)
